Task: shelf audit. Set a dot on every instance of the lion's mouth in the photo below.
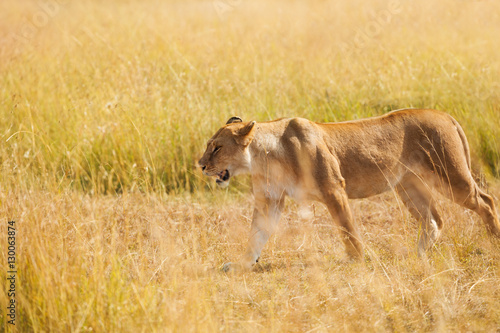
(222, 177)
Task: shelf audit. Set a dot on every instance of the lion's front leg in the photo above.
(266, 216)
(332, 187)
(338, 205)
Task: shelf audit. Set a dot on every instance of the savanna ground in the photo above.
(106, 106)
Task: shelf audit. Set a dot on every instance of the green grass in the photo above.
(125, 97)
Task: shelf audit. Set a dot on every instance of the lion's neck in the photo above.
(269, 167)
(264, 146)
(263, 143)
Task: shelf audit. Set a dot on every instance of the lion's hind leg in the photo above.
(446, 167)
(467, 194)
(486, 209)
(417, 197)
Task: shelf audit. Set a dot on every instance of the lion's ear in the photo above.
(245, 134)
(234, 120)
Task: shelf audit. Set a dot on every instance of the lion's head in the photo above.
(227, 151)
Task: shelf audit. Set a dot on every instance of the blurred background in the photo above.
(113, 96)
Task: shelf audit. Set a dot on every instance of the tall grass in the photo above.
(138, 263)
(105, 108)
(122, 96)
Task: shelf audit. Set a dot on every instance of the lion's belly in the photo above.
(363, 190)
(373, 183)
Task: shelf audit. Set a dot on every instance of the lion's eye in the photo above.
(217, 149)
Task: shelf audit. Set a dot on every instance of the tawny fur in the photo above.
(410, 151)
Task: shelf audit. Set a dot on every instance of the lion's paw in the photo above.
(227, 267)
(233, 267)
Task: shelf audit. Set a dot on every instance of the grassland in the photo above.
(105, 108)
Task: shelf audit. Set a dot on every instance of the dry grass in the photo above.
(145, 263)
(105, 107)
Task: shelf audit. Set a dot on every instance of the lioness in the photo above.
(409, 151)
